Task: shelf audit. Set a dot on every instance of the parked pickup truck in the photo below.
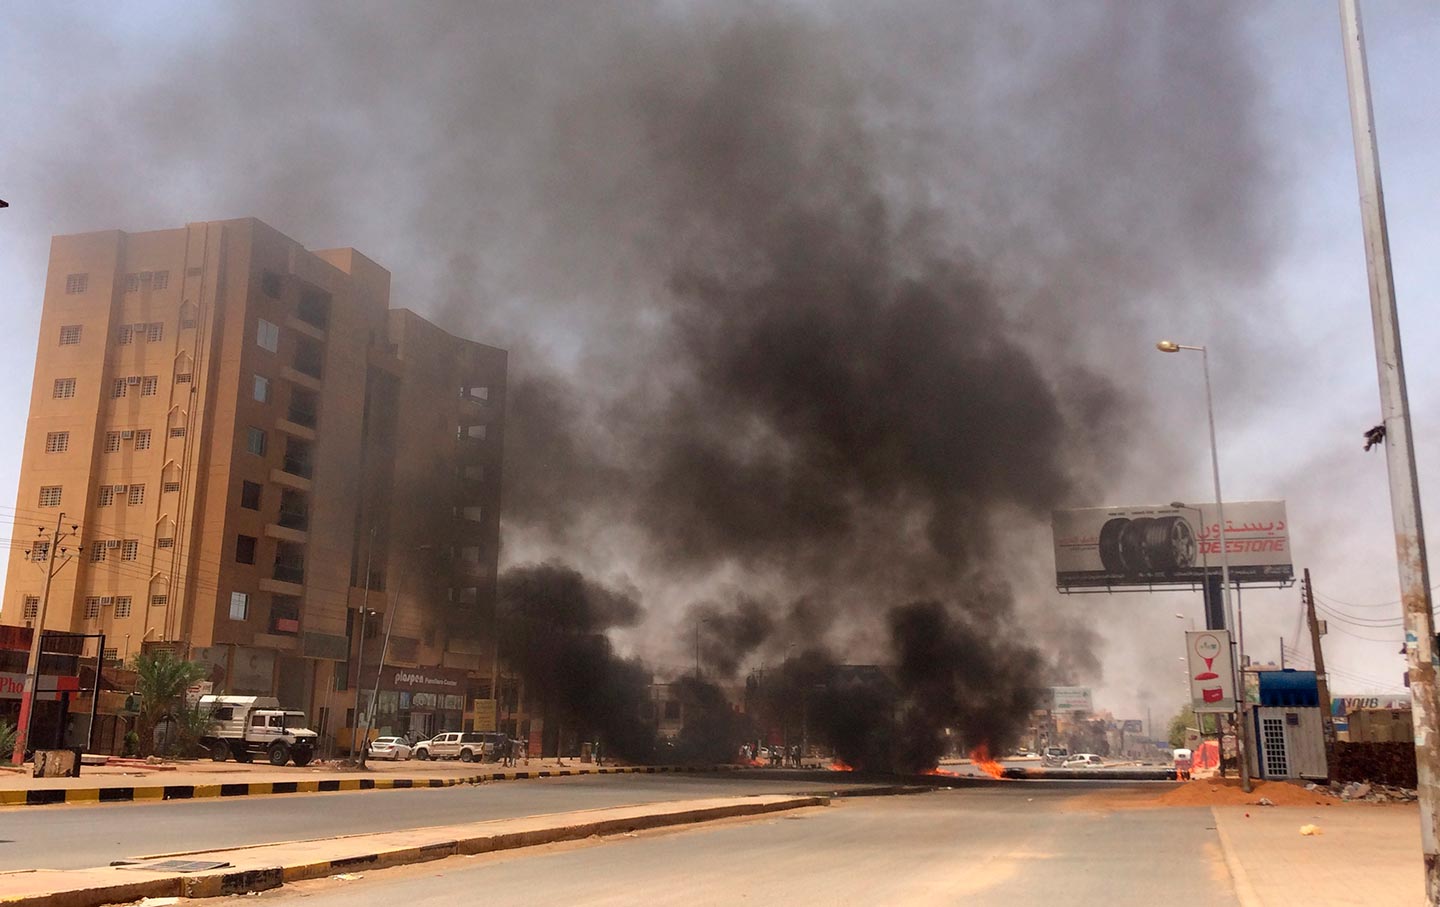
(467, 746)
(248, 726)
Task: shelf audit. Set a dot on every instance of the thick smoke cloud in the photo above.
(807, 303)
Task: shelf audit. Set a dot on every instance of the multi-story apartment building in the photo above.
(254, 446)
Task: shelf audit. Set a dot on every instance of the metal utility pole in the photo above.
(1399, 449)
(360, 655)
(1237, 648)
(1327, 720)
(32, 666)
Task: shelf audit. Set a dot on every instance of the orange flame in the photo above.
(839, 765)
(940, 772)
(980, 757)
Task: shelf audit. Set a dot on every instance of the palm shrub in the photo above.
(161, 681)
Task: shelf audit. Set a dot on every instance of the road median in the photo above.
(128, 793)
(269, 866)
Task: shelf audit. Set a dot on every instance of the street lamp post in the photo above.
(1241, 747)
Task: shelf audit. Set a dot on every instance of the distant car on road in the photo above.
(1083, 760)
(392, 748)
(1054, 755)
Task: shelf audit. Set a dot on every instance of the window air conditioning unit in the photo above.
(106, 601)
(132, 379)
(121, 489)
(127, 435)
(112, 543)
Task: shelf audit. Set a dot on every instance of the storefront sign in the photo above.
(13, 685)
(485, 715)
(424, 680)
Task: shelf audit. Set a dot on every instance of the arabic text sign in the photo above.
(1072, 699)
(1162, 545)
(1212, 672)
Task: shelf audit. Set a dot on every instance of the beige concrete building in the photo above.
(253, 446)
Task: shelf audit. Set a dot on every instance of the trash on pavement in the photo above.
(347, 877)
(1265, 801)
(1310, 830)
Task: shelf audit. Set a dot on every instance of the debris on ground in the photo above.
(1310, 830)
(1266, 801)
(347, 877)
(1371, 793)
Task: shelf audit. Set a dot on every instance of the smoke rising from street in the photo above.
(808, 308)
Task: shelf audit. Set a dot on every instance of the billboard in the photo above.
(1211, 670)
(1071, 699)
(1164, 545)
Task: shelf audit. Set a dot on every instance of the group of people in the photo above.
(776, 756)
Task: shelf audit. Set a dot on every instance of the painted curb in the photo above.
(117, 794)
(217, 884)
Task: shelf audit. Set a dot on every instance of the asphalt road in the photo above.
(74, 837)
(1006, 845)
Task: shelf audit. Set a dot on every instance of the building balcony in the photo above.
(281, 587)
(290, 573)
(298, 431)
(290, 480)
(295, 323)
(289, 373)
(286, 534)
(297, 467)
(301, 416)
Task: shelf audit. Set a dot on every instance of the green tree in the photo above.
(7, 739)
(1178, 725)
(161, 682)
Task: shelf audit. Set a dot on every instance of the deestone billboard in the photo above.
(1163, 545)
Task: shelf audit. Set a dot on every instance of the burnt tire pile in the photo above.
(1147, 545)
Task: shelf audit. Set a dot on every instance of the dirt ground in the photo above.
(1218, 792)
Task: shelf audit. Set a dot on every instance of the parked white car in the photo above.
(392, 748)
(1083, 760)
(467, 747)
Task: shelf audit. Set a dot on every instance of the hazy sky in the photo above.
(148, 115)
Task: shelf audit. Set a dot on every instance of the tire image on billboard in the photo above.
(1147, 545)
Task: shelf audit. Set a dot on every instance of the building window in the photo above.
(261, 391)
(249, 495)
(92, 607)
(267, 334)
(64, 388)
(255, 441)
(50, 496)
(154, 331)
(159, 601)
(177, 432)
(107, 495)
(31, 607)
(148, 385)
(111, 655)
(122, 606)
(40, 552)
(170, 488)
(142, 439)
(137, 494)
(165, 543)
(187, 315)
(117, 388)
(76, 283)
(244, 549)
(182, 378)
(112, 441)
(239, 606)
(270, 283)
(159, 281)
(126, 334)
(130, 549)
(57, 441)
(97, 552)
(132, 283)
(69, 334)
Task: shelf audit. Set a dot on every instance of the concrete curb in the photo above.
(1244, 891)
(128, 794)
(245, 880)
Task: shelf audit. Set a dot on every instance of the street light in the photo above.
(1168, 346)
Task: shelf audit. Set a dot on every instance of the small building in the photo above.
(1289, 732)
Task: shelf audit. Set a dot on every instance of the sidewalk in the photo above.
(190, 780)
(270, 865)
(1365, 855)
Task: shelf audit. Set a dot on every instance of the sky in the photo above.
(427, 142)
